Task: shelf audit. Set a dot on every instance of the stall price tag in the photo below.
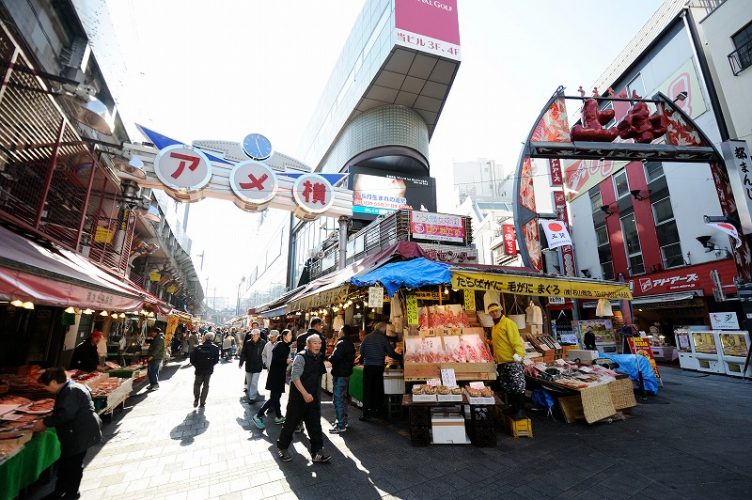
(433, 382)
(411, 303)
(375, 296)
(469, 300)
(448, 378)
(477, 385)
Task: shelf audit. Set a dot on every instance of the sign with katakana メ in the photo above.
(313, 193)
(182, 168)
(253, 182)
(739, 166)
(556, 232)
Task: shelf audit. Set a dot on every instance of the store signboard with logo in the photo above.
(724, 321)
(428, 26)
(690, 278)
(437, 227)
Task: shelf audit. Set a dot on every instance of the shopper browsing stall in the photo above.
(77, 425)
(342, 360)
(373, 350)
(508, 351)
(251, 357)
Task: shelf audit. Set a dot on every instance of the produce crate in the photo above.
(622, 394)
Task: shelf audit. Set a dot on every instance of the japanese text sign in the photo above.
(469, 297)
(253, 182)
(724, 321)
(448, 377)
(375, 296)
(554, 168)
(544, 287)
(437, 227)
(411, 304)
(182, 168)
(313, 193)
(641, 347)
(428, 26)
(556, 232)
(510, 239)
(739, 164)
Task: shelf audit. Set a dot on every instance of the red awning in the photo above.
(47, 274)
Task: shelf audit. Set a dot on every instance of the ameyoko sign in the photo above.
(313, 193)
(437, 227)
(693, 278)
(181, 168)
(253, 182)
(429, 26)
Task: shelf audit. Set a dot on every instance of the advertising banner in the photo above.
(543, 287)
(641, 346)
(686, 279)
(428, 26)
(724, 321)
(554, 169)
(738, 163)
(437, 227)
(378, 193)
(557, 234)
(510, 239)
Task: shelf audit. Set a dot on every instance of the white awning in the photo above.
(664, 297)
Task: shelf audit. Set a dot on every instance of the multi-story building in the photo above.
(374, 122)
(644, 222)
(482, 180)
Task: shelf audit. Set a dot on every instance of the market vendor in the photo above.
(508, 351)
(85, 355)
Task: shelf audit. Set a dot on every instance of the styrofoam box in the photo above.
(394, 385)
(453, 398)
(585, 356)
(448, 430)
(424, 398)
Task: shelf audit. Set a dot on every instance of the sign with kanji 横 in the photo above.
(253, 182)
(182, 168)
(313, 193)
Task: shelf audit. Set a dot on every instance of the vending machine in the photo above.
(687, 358)
(735, 345)
(705, 347)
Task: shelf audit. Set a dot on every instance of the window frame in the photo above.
(662, 245)
(616, 184)
(632, 255)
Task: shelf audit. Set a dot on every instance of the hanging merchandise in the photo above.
(491, 297)
(517, 315)
(339, 321)
(533, 314)
(603, 308)
(395, 313)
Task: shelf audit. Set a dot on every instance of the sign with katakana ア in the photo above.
(557, 233)
(253, 182)
(182, 168)
(313, 193)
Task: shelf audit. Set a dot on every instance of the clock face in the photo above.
(257, 147)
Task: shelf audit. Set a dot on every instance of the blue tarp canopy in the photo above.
(633, 365)
(413, 273)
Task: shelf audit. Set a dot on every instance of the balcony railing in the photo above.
(741, 58)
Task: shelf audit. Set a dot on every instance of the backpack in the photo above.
(203, 357)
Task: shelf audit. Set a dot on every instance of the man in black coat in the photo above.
(275, 380)
(251, 357)
(342, 360)
(203, 358)
(314, 328)
(85, 355)
(78, 428)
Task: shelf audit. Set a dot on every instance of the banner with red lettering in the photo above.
(510, 239)
(641, 347)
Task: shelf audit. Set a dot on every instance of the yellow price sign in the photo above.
(411, 303)
(469, 300)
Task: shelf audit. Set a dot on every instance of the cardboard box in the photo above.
(586, 357)
(448, 429)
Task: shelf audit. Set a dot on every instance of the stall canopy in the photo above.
(412, 274)
(45, 274)
(526, 283)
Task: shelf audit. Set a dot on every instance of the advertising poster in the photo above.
(602, 329)
(641, 346)
(437, 227)
(431, 27)
(510, 239)
(380, 193)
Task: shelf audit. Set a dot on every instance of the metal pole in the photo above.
(50, 174)
(342, 242)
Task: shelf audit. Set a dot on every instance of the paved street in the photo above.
(692, 441)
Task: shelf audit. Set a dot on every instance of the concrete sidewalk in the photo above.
(690, 441)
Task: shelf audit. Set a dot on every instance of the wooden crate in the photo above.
(519, 428)
(463, 371)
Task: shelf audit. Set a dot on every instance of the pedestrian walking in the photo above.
(508, 351)
(193, 341)
(315, 327)
(228, 343)
(77, 425)
(304, 403)
(251, 357)
(155, 355)
(275, 380)
(266, 355)
(203, 359)
(342, 360)
(374, 348)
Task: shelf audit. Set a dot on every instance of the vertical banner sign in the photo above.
(641, 346)
(510, 239)
(554, 169)
(738, 164)
(560, 206)
(375, 296)
(411, 302)
(556, 232)
(469, 300)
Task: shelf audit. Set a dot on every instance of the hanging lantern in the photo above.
(70, 310)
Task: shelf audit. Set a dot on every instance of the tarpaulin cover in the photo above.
(413, 273)
(633, 365)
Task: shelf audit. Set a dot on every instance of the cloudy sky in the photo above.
(222, 69)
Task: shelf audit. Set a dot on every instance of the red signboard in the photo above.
(429, 26)
(560, 206)
(510, 239)
(641, 346)
(437, 227)
(685, 279)
(554, 168)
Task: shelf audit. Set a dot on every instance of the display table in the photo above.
(665, 353)
(28, 464)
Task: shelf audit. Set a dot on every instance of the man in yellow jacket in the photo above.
(508, 351)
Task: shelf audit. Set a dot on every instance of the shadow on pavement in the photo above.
(194, 424)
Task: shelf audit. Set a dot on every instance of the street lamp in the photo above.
(237, 306)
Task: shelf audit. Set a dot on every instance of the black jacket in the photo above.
(251, 356)
(77, 424)
(310, 378)
(301, 340)
(204, 357)
(275, 380)
(343, 358)
(85, 357)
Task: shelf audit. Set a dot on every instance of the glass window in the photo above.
(672, 255)
(608, 270)
(668, 234)
(636, 85)
(601, 234)
(663, 211)
(621, 185)
(653, 170)
(632, 243)
(743, 53)
(595, 198)
(636, 265)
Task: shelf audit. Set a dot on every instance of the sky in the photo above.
(225, 68)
